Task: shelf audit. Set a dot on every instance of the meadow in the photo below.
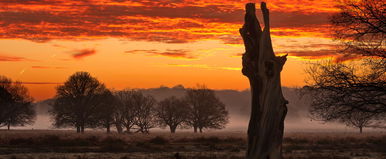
(63, 144)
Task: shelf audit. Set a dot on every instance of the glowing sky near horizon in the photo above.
(143, 43)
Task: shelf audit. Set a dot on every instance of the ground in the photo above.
(60, 144)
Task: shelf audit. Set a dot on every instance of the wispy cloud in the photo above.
(12, 58)
(311, 53)
(47, 67)
(83, 53)
(173, 53)
(203, 66)
(38, 83)
(319, 54)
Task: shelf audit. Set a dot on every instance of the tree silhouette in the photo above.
(361, 26)
(206, 110)
(105, 110)
(145, 117)
(134, 110)
(16, 108)
(359, 120)
(353, 93)
(347, 92)
(172, 112)
(125, 113)
(77, 101)
(262, 67)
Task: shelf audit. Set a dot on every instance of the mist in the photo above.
(237, 103)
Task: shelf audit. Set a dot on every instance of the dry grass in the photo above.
(220, 144)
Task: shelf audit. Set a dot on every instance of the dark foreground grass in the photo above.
(220, 145)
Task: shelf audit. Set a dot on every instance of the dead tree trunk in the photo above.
(262, 67)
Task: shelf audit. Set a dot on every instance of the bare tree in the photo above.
(126, 109)
(105, 111)
(359, 120)
(145, 117)
(134, 110)
(16, 108)
(339, 89)
(172, 112)
(361, 27)
(352, 93)
(206, 110)
(77, 101)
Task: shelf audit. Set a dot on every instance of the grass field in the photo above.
(57, 144)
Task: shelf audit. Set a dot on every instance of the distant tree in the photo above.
(5, 100)
(359, 120)
(16, 108)
(347, 92)
(145, 118)
(106, 108)
(134, 111)
(126, 109)
(77, 102)
(361, 26)
(206, 110)
(172, 112)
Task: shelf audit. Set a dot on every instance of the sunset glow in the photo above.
(146, 44)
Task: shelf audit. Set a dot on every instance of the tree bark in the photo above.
(195, 129)
(262, 67)
(78, 129)
(9, 126)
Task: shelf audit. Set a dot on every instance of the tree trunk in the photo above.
(9, 126)
(82, 129)
(119, 128)
(195, 129)
(360, 129)
(128, 128)
(108, 128)
(262, 67)
(78, 129)
(173, 129)
(200, 129)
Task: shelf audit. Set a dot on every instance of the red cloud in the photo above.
(12, 58)
(169, 22)
(83, 53)
(46, 67)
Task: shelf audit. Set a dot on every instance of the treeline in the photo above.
(84, 102)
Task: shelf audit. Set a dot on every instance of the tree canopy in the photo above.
(172, 112)
(361, 26)
(206, 110)
(353, 92)
(345, 91)
(78, 101)
(16, 108)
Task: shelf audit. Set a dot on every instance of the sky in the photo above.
(147, 43)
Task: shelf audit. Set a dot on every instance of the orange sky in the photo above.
(147, 43)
